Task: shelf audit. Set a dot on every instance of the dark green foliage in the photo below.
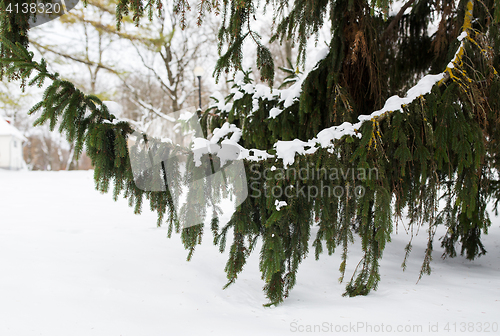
(13, 28)
(442, 146)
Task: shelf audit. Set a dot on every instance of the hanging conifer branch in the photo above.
(444, 140)
(418, 174)
(88, 124)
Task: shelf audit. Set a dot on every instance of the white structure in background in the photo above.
(11, 146)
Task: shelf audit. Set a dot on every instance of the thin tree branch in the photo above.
(390, 27)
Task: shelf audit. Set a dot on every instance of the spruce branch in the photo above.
(390, 28)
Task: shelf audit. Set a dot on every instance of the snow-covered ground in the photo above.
(74, 262)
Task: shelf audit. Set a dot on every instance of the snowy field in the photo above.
(74, 262)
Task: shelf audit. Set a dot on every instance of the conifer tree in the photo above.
(437, 143)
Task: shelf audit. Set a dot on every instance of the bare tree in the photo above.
(159, 55)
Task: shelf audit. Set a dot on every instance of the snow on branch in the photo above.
(286, 150)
